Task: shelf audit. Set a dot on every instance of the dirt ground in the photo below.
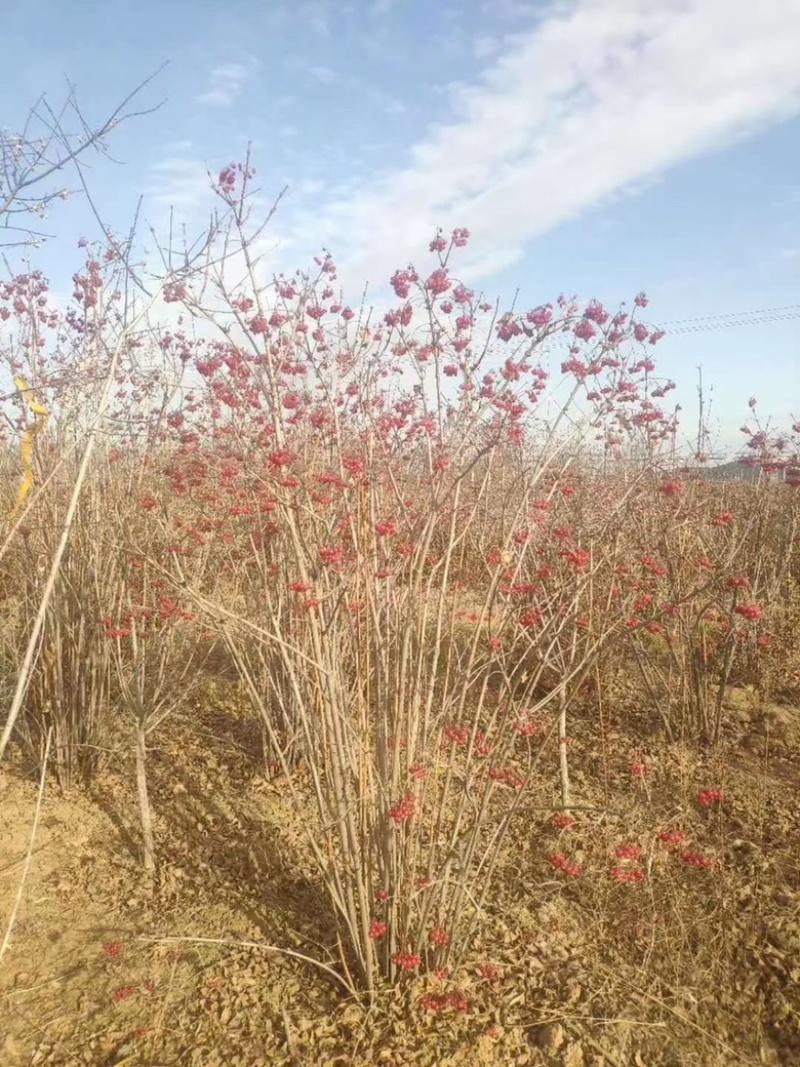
(691, 966)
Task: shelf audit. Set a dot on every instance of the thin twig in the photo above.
(21, 887)
(256, 945)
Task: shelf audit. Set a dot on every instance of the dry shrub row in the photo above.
(414, 575)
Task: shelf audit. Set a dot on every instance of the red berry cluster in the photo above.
(123, 992)
(693, 859)
(439, 938)
(560, 862)
(407, 961)
(405, 809)
(443, 1001)
(628, 852)
(672, 837)
(627, 874)
(562, 821)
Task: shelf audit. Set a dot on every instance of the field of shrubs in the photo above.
(384, 688)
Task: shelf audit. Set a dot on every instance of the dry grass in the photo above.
(691, 967)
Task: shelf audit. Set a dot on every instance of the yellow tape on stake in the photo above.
(28, 441)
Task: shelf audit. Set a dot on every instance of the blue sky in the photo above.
(597, 147)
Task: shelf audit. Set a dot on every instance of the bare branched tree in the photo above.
(34, 160)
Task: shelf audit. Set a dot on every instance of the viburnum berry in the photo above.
(439, 938)
(459, 735)
(628, 852)
(407, 961)
(506, 776)
(280, 458)
(560, 862)
(737, 583)
(693, 859)
(442, 1001)
(706, 798)
(435, 1001)
(627, 874)
(405, 809)
(528, 728)
(672, 837)
(331, 555)
(438, 282)
(123, 993)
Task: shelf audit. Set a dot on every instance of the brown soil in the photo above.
(690, 967)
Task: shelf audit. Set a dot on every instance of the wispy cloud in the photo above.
(598, 99)
(179, 182)
(323, 74)
(350, 83)
(379, 8)
(225, 84)
(178, 146)
(512, 10)
(486, 46)
(316, 15)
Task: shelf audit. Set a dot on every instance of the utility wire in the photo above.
(733, 315)
(732, 319)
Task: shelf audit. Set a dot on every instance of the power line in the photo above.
(732, 319)
(728, 325)
(733, 315)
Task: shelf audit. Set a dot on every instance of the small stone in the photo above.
(574, 1056)
(551, 1038)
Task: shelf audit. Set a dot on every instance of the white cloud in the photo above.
(178, 146)
(599, 98)
(179, 182)
(225, 84)
(486, 46)
(513, 10)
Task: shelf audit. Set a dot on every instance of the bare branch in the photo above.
(45, 147)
